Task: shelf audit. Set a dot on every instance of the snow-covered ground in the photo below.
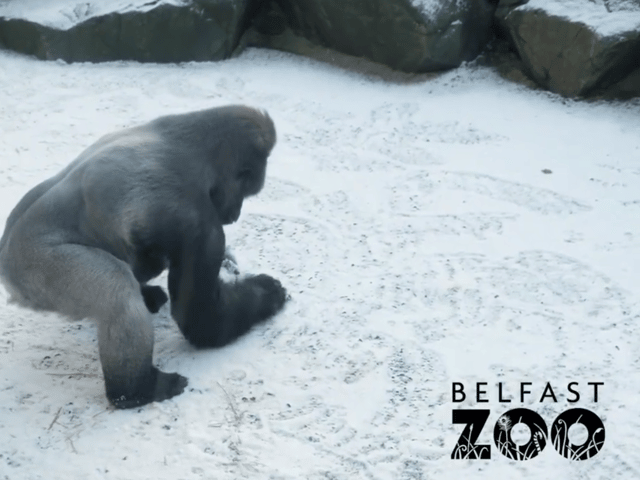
(422, 242)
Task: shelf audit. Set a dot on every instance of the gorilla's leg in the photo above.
(211, 313)
(81, 281)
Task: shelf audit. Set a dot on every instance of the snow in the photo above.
(432, 8)
(422, 245)
(64, 14)
(607, 18)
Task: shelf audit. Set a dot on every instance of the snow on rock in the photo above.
(604, 19)
(574, 47)
(431, 8)
(148, 31)
(64, 14)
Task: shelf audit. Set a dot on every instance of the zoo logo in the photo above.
(466, 447)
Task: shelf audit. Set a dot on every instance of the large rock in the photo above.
(628, 87)
(143, 30)
(407, 35)
(575, 47)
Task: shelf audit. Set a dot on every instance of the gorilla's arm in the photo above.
(209, 312)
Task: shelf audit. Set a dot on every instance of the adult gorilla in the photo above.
(85, 242)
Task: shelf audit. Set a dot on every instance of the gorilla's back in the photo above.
(93, 201)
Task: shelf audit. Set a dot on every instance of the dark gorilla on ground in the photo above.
(85, 242)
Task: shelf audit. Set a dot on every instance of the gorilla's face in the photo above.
(227, 200)
(231, 214)
(236, 185)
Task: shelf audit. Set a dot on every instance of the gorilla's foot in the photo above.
(157, 387)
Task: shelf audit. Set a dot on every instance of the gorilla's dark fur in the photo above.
(85, 242)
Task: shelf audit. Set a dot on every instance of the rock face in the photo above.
(151, 31)
(407, 35)
(572, 47)
(575, 47)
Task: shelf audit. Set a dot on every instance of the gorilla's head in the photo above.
(241, 161)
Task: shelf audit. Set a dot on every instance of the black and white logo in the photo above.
(470, 447)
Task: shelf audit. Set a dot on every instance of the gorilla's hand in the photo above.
(154, 297)
(229, 263)
(168, 385)
(269, 293)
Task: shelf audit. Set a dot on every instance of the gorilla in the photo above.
(85, 242)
